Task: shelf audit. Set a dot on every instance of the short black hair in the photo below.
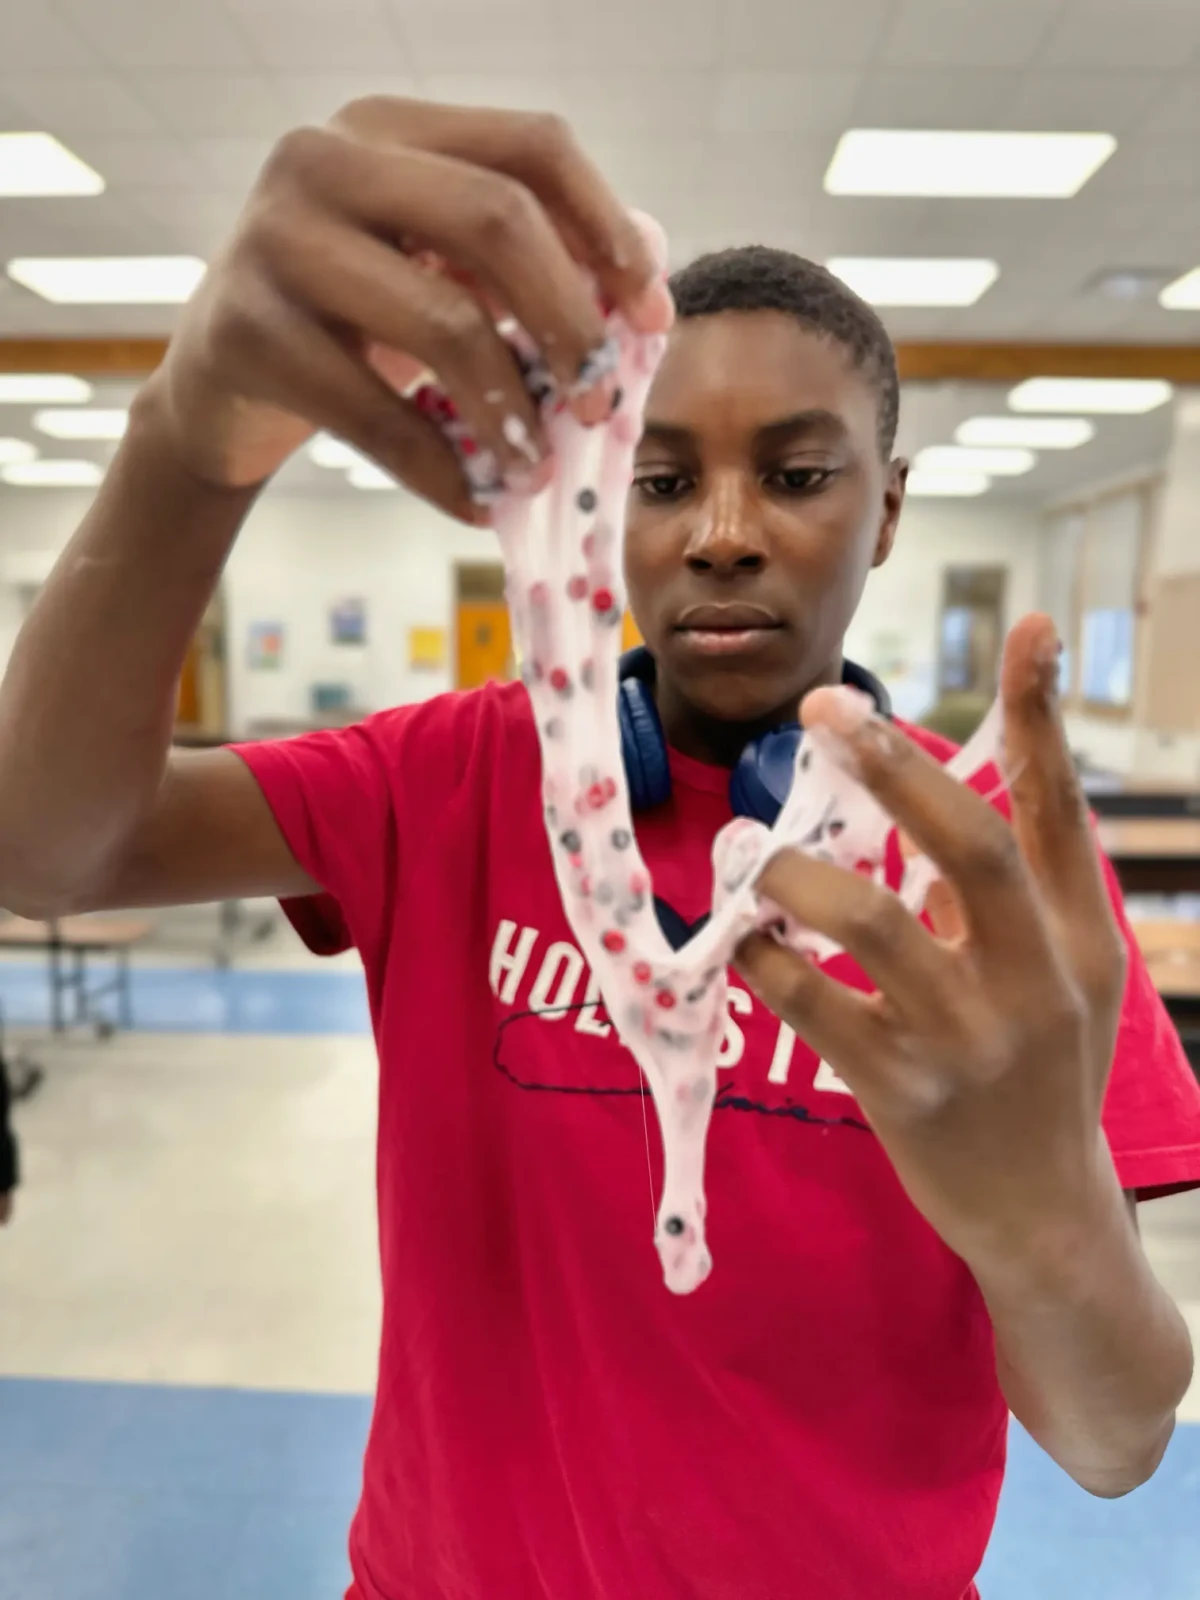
(757, 277)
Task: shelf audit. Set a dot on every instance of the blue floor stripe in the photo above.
(115, 1492)
(207, 1000)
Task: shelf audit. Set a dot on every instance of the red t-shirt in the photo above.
(822, 1418)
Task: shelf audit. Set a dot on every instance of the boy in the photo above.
(826, 1417)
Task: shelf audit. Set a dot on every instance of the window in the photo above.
(1091, 579)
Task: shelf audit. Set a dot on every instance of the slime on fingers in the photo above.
(562, 552)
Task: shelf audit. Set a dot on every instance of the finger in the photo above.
(486, 220)
(844, 1026)
(541, 152)
(1050, 812)
(968, 841)
(896, 952)
(941, 907)
(293, 362)
(358, 282)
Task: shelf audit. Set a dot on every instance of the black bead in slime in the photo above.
(674, 1226)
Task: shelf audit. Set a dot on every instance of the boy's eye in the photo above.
(660, 485)
(796, 480)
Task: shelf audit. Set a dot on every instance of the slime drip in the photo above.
(562, 552)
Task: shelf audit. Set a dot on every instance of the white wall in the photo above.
(902, 604)
(298, 554)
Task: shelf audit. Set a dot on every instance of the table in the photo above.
(68, 942)
(1158, 855)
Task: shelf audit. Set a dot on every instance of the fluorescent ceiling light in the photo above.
(992, 463)
(947, 485)
(1183, 294)
(1093, 396)
(35, 164)
(962, 165)
(84, 423)
(369, 476)
(110, 280)
(913, 282)
(327, 451)
(15, 450)
(50, 474)
(1027, 433)
(43, 389)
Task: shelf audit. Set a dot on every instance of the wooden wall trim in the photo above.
(933, 362)
(87, 358)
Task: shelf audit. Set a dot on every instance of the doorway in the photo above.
(482, 634)
(971, 631)
(484, 647)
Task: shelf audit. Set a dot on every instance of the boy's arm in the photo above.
(318, 309)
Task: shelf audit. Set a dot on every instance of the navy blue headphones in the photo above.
(759, 783)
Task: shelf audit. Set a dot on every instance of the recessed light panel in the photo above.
(902, 161)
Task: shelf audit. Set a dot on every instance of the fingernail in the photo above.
(518, 437)
(1049, 649)
(653, 311)
(848, 710)
(596, 406)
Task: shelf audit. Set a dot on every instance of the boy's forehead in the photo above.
(747, 370)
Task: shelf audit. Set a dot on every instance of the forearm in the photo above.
(88, 701)
(1093, 1355)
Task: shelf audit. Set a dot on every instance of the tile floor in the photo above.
(189, 1311)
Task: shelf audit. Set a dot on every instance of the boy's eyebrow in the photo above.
(818, 421)
(674, 436)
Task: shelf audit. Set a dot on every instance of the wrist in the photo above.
(154, 441)
(1066, 1255)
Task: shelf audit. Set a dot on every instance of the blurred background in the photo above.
(1015, 186)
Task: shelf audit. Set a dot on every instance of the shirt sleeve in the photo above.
(353, 804)
(1152, 1110)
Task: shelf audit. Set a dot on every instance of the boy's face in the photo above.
(760, 502)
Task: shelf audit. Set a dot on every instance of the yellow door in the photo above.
(484, 643)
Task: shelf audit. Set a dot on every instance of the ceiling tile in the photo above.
(978, 33)
(229, 163)
(932, 98)
(752, 181)
(213, 102)
(290, 38)
(785, 102)
(92, 102)
(32, 36)
(1149, 164)
(677, 34)
(639, 102)
(663, 177)
(164, 33)
(455, 37)
(762, 33)
(501, 91)
(197, 221)
(104, 224)
(315, 97)
(1123, 36)
(1084, 102)
(148, 162)
(1177, 109)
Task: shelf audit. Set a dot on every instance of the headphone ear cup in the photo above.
(643, 745)
(762, 779)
